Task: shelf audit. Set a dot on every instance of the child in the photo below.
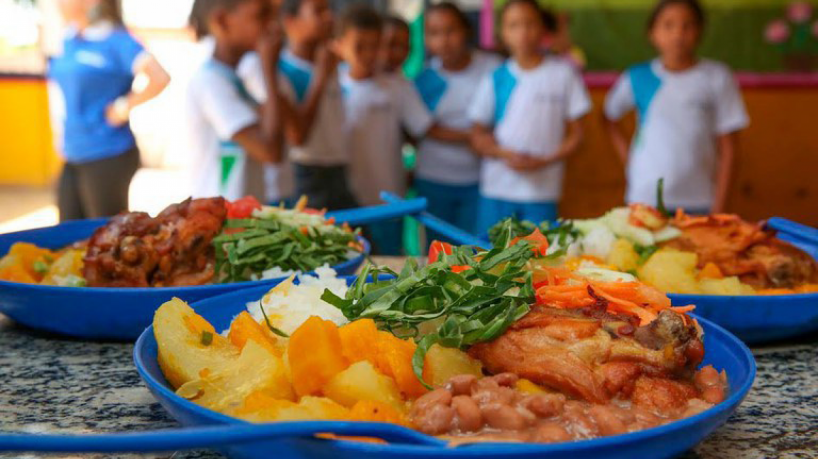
(377, 107)
(448, 169)
(224, 127)
(526, 117)
(689, 112)
(315, 129)
(395, 45)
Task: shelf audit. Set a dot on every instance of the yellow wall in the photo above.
(26, 149)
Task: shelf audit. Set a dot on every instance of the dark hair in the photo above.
(449, 7)
(108, 10)
(359, 16)
(201, 11)
(291, 7)
(396, 22)
(693, 5)
(549, 21)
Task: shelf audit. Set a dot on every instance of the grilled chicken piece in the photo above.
(173, 249)
(746, 250)
(591, 355)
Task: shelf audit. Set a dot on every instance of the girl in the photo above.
(95, 74)
(448, 169)
(526, 122)
(689, 111)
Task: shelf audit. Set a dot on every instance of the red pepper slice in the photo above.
(242, 208)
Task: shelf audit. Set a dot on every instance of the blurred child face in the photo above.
(446, 37)
(676, 32)
(522, 30)
(394, 48)
(75, 11)
(244, 25)
(359, 48)
(313, 23)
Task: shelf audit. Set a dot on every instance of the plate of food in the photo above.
(494, 354)
(102, 279)
(739, 274)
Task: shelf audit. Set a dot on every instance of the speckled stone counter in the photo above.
(57, 385)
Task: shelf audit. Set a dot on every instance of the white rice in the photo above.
(288, 306)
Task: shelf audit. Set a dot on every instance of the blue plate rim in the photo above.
(729, 404)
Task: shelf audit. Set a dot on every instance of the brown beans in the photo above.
(707, 377)
(545, 405)
(488, 395)
(714, 394)
(506, 379)
(607, 422)
(467, 414)
(435, 397)
(462, 384)
(436, 420)
(503, 417)
(550, 432)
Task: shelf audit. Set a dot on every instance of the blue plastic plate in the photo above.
(102, 313)
(723, 351)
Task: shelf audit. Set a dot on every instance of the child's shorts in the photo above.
(456, 204)
(325, 187)
(494, 210)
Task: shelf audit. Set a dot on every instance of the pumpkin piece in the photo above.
(244, 328)
(314, 354)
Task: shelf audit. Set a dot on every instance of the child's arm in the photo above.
(263, 141)
(450, 135)
(727, 149)
(618, 138)
(303, 116)
(483, 142)
(570, 144)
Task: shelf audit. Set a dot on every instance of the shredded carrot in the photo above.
(683, 309)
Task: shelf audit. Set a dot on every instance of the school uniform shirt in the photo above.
(325, 145)
(680, 115)
(529, 110)
(217, 107)
(448, 96)
(95, 68)
(279, 182)
(376, 110)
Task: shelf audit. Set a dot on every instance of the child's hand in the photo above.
(524, 162)
(270, 46)
(326, 61)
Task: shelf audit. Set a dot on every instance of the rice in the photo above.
(288, 306)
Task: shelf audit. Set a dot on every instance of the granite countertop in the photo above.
(58, 385)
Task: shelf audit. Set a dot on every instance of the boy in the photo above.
(395, 45)
(315, 131)
(377, 107)
(225, 130)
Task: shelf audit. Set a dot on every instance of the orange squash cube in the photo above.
(315, 355)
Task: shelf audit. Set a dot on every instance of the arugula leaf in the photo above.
(660, 198)
(273, 329)
(644, 252)
(460, 309)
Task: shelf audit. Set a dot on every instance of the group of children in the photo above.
(274, 114)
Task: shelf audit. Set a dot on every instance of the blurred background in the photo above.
(771, 44)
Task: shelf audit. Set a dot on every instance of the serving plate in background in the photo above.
(103, 313)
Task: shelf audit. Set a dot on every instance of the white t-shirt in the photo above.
(376, 110)
(217, 107)
(325, 145)
(279, 183)
(448, 96)
(529, 110)
(680, 114)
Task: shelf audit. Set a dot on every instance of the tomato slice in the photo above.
(242, 208)
(537, 240)
(436, 248)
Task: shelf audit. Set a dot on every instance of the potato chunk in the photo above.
(671, 271)
(361, 381)
(181, 335)
(444, 362)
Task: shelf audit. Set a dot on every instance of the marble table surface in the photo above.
(58, 385)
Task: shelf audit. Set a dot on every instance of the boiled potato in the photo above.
(255, 371)
(69, 263)
(183, 356)
(727, 286)
(361, 381)
(267, 409)
(444, 362)
(623, 256)
(671, 271)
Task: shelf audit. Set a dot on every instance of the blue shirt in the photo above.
(95, 69)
